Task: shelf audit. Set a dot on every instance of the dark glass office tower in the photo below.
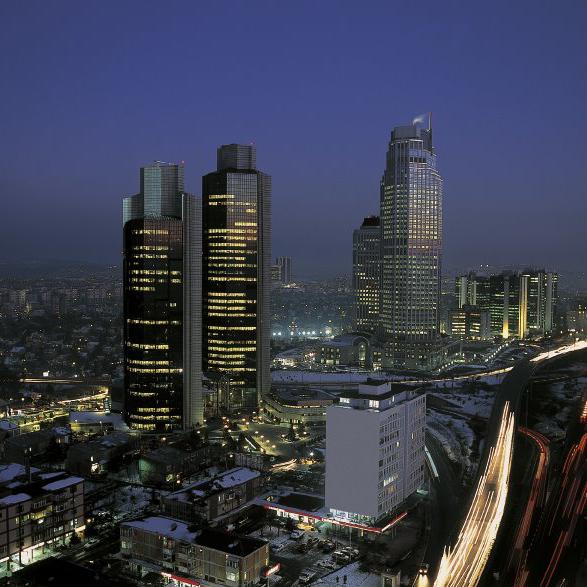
(285, 274)
(162, 303)
(367, 273)
(411, 233)
(237, 280)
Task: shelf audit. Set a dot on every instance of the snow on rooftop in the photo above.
(7, 425)
(15, 498)
(12, 470)
(90, 417)
(225, 480)
(236, 477)
(164, 526)
(318, 377)
(62, 483)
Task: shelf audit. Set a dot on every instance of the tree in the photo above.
(290, 525)
(74, 540)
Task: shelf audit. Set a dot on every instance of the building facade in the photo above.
(214, 498)
(303, 405)
(351, 350)
(375, 450)
(520, 304)
(284, 264)
(162, 303)
(367, 274)
(182, 556)
(411, 246)
(469, 323)
(44, 510)
(236, 268)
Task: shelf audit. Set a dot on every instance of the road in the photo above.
(463, 565)
(519, 546)
(445, 491)
(554, 552)
(337, 380)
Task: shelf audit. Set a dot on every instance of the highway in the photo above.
(463, 565)
(337, 380)
(519, 552)
(553, 543)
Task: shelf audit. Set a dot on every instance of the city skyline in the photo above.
(489, 92)
(336, 335)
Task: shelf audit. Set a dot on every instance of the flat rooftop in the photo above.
(215, 539)
(402, 390)
(301, 501)
(302, 396)
(213, 485)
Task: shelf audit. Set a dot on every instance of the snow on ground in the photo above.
(454, 434)
(317, 377)
(477, 403)
(132, 500)
(564, 395)
(487, 379)
(354, 577)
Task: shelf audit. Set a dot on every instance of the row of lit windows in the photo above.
(147, 347)
(156, 231)
(145, 370)
(153, 322)
(234, 312)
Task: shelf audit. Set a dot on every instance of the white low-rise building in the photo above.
(374, 450)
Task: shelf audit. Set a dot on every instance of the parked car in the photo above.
(297, 534)
(306, 577)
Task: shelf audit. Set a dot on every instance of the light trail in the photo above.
(463, 565)
(431, 465)
(519, 554)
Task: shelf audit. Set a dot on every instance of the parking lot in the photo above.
(306, 556)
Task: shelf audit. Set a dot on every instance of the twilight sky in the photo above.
(90, 91)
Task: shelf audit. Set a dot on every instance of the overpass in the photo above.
(97, 382)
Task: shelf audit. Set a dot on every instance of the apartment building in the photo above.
(184, 556)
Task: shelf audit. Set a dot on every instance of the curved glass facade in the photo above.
(411, 227)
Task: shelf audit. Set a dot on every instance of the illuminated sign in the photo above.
(271, 570)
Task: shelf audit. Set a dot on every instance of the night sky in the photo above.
(90, 91)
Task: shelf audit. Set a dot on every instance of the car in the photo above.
(306, 577)
(297, 534)
(424, 568)
(341, 557)
(277, 547)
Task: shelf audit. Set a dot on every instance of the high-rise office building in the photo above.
(411, 245)
(541, 302)
(375, 448)
(469, 323)
(237, 279)
(520, 304)
(367, 273)
(162, 235)
(284, 264)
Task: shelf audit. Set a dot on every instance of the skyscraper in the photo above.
(375, 447)
(237, 281)
(411, 233)
(284, 264)
(162, 303)
(367, 273)
(520, 304)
